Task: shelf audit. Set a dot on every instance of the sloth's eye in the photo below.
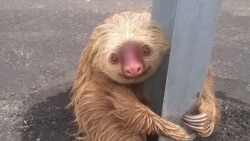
(146, 50)
(114, 58)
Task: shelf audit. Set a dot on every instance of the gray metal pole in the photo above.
(190, 26)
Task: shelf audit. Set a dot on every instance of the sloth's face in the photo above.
(132, 62)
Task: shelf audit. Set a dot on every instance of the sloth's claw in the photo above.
(195, 118)
(199, 123)
(195, 127)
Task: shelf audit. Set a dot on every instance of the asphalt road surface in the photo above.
(40, 44)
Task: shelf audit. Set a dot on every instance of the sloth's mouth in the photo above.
(141, 75)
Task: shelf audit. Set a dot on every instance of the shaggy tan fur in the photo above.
(109, 107)
(209, 105)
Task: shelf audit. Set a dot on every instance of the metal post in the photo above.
(190, 26)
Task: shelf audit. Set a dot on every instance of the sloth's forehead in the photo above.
(119, 39)
(123, 44)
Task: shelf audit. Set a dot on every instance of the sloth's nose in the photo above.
(133, 70)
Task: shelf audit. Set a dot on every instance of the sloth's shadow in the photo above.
(50, 120)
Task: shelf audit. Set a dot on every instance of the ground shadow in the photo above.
(50, 120)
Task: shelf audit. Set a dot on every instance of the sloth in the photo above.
(108, 96)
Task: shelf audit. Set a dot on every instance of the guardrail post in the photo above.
(190, 26)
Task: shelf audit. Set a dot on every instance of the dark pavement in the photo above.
(40, 44)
